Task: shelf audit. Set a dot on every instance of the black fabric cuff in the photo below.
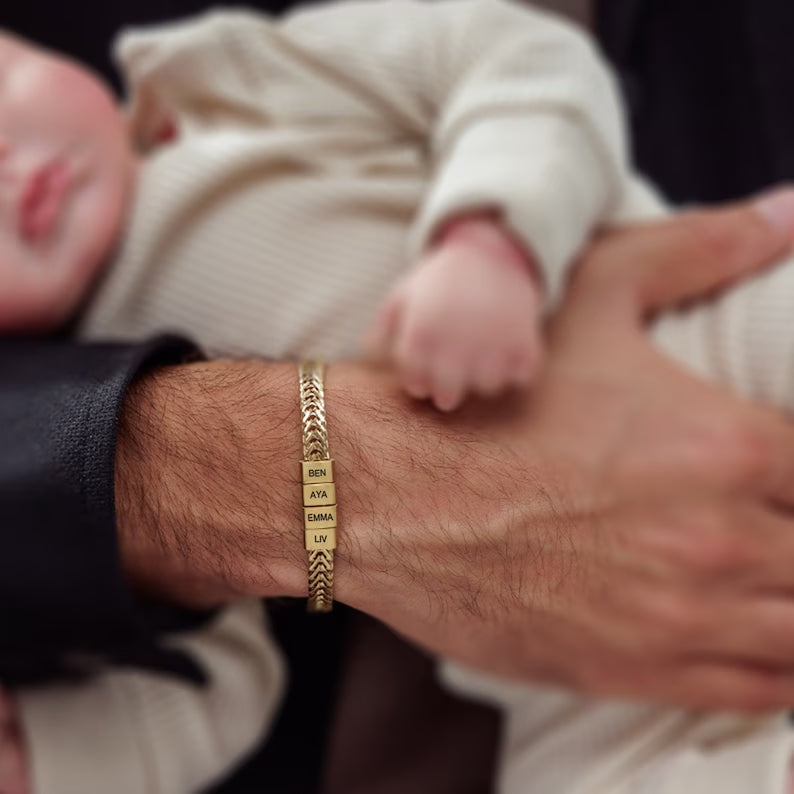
(64, 604)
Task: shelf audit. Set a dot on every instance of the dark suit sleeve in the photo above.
(64, 605)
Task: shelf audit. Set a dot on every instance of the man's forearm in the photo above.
(208, 495)
(206, 465)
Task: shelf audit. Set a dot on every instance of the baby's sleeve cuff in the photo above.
(543, 175)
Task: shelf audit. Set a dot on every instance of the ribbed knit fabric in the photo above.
(558, 742)
(744, 339)
(314, 159)
(317, 155)
(130, 732)
(568, 744)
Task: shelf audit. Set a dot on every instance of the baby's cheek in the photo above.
(32, 299)
(91, 227)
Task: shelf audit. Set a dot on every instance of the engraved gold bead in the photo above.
(316, 471)
(318, 494)
(317, 539)
(319, 517)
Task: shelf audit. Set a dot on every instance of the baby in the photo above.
(424, 171)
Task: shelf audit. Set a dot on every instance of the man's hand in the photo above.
(624, 530)
(625, 533)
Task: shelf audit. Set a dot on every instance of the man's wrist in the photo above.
(209, 509)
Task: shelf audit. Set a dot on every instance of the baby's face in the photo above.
(66, 174)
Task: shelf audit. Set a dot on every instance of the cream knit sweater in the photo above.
(128, 731)
(315, 157)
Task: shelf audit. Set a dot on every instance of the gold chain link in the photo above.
(321, 580)
(315, 430)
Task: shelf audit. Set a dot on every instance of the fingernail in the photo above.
(777, 208)
(446, 403)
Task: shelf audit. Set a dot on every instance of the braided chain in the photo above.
(315, 434)
(321, 580)
(315, 447)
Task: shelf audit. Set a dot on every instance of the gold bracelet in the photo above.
(319, 491)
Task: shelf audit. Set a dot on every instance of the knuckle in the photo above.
(675, 622)
(695, 544)
(714, 555)
(742, 456)
(708, 548)
(733, 451)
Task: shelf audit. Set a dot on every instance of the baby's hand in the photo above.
(466, 319)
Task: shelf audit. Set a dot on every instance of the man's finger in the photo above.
(774, 455)
(691, 255)
(711, 683)
(714, 248)
(765, 623)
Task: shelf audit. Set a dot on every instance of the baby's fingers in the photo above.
(379, 338)
(523, 369)
(448, 378)
(525, 362)
(490, 375)
(505, 364)
(412, 350)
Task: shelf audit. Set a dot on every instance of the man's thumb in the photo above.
(700, 252)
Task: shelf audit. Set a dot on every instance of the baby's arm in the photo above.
(513, 109)
(507, 110)
(135, 732)
(467, 318)
(521, 121)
